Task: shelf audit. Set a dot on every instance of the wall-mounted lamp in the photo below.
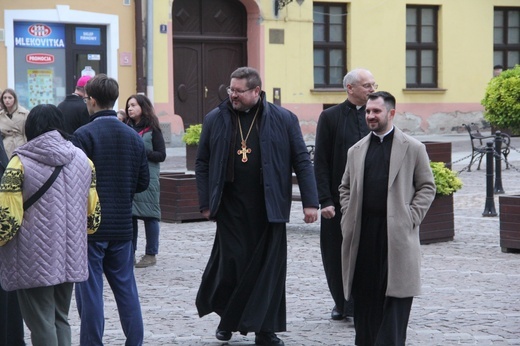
(279, 4)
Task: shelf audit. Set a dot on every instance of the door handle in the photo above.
(205, 92)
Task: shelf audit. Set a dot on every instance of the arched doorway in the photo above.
(209, 42)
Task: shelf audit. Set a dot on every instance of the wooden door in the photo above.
(209, 43)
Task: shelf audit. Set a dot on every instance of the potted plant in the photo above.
(191, 137)
(501, 106)
(439, 223)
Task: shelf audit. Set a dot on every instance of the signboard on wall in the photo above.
(39, 35)
(88, 36)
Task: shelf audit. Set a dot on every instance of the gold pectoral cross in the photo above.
(244, 151)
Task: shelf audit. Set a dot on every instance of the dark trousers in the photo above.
(11, 322)
(330, 243)
(381, 325)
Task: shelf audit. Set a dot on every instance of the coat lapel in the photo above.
(399, 150)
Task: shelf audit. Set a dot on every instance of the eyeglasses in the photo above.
(238, 92)
(86, 98)
(370, 85)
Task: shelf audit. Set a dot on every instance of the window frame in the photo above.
(505, 47)
(327, 46)
(419, 47)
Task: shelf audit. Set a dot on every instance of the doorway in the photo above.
(209, 43)
(85, 56)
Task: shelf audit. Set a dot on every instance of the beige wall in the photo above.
(376, 40)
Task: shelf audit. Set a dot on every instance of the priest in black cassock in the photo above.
(386, 190)
(339, 127)
(247, 152)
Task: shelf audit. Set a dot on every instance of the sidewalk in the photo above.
(471, 289)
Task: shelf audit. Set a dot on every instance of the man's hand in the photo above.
(205, 213)
(310, 215)
(328, 212)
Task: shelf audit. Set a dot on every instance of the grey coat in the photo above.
(411, 190)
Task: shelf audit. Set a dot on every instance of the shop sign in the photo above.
(39, 35)
(39, 58)
(88, 36)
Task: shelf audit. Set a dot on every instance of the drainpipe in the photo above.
(140, 82)
(149, 49)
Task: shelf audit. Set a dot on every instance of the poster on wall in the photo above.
(40, 86)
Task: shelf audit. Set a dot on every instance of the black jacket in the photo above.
(339, 127)
(283, 150)
(75, 113)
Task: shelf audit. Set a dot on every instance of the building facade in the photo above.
(435, 56)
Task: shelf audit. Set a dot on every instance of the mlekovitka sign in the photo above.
(39, 58)
(39, 35)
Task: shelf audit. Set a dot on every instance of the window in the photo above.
(329, 45)
(506, 37)
(421, 46)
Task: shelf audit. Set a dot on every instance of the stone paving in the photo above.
(471, 289)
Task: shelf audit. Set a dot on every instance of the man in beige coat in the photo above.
(385, 193)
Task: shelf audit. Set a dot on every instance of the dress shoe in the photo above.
(223, 335)
(268, 339)
(336, 315)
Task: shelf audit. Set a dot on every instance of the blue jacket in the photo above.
(283, 150)
(119, 157)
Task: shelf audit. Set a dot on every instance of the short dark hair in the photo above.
(249, 73)
(43, 118)
(498, 67)
(104, 89)
(388, 98)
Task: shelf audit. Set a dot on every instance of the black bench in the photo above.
(478, 145)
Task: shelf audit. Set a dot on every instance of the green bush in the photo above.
(502, 100)
(446, 180)
(192, 134)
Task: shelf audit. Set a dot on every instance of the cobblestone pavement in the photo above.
(471, 289)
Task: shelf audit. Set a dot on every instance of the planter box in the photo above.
(509, 222)
(439, 152)
(179, 200)
(439, 223)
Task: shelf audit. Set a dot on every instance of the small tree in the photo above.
(502, 100)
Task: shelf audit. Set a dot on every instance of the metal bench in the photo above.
(478, 145)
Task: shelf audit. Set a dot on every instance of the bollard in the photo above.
(489, 209)
(498, 163)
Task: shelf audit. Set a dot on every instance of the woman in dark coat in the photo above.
(141, 117)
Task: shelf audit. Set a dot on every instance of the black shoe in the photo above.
(223, 335)
(268, 339)
(336, 315)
